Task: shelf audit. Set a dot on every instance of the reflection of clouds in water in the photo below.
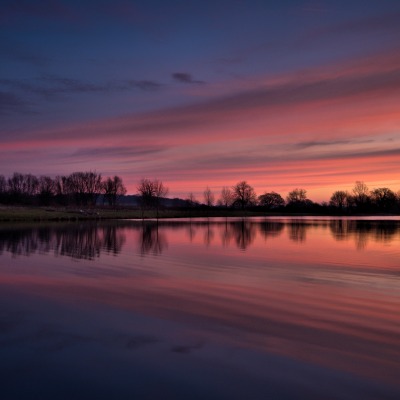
(305, 304)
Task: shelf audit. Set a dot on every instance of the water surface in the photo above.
(222, 308)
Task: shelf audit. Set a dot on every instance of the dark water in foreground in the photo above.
(218, 309)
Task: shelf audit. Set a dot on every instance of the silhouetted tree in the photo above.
(244, 194)
(227, 197)
(3, 188)
(384, 199)
(3, 184)
(191, 200)
(31, 185)
(92, 186)
(160, 191)
(46, 189)
(61, 189)
(16, 185)
(360, 194)
(85, 186)
(208, 197)
(271, 200)
(151, 193)
(75, 187)
(339, 199)
(297, 196)
(146, 193)
(113, 187)
(22, 186)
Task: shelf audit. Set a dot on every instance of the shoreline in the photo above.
(53, 214)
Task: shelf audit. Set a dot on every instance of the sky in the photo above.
(288, 94)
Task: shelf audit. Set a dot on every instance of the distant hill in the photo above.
(134, 201)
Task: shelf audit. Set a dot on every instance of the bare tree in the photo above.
(226, 196)
(113, 187)
(92, 186)
(22, 186)
(339, 199)
(61, 189)
(209, 197)
(30, 185)
(3, 188)
(297, 196)
(160, 191)
(271, 200)
(46, 189)
(384, 198)
(16, 183)
(361, 194)
(85, 186)
(191, 200)
(146, 193)
(244, 194)
(3, 184)
(75, 187)
(151, 193)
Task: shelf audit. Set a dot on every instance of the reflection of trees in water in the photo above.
(208, 234)
(226, 234)
(386, 232)
(18, 242)
(79, 243)
(362, 231)
(297, 231)
(191, 231)
(113, 239)
(152, 240)
(244, 233)
(89, 240)
(271, 229)
(76, 241)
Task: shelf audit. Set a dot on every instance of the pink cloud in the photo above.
(317, 128)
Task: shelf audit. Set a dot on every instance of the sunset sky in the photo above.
(203, 93)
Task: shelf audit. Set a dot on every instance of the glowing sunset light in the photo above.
(198, 102)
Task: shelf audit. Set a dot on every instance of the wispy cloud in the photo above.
(50, 85)
(118, 151)
(184, 77)
(380, 22)
(290, 129)
(27, 95)
(329, 143)
(143, 84)
(11, 103)
(16, 51)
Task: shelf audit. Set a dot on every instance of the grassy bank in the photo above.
(15, 214)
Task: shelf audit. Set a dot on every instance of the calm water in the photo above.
(210, 309)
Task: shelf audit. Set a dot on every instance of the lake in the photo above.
(256, 308)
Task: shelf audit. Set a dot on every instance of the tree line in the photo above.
(84, 189)
(361, 199)
(78, 188)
